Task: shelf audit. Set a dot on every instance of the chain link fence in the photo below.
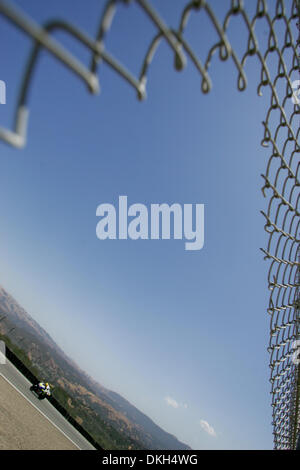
(280, 136)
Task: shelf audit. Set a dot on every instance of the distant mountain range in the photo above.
(112, 421)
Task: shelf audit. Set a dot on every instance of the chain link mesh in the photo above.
(280, 135)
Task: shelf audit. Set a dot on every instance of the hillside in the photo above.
(112, 421)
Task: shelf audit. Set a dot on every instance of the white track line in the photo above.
(24, 396)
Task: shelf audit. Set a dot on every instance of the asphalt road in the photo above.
(22, 385)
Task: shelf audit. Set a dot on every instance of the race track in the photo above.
(22, 415)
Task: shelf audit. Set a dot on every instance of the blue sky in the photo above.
(182, 335)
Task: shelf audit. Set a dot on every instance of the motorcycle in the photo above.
(39, 392)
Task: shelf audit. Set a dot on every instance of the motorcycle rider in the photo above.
(45, 387)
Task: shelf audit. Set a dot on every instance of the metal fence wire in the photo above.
(280, 134)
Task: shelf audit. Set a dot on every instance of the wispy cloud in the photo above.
(171, 402)
(207, 428)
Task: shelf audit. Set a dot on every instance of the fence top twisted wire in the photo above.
(175, 38)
